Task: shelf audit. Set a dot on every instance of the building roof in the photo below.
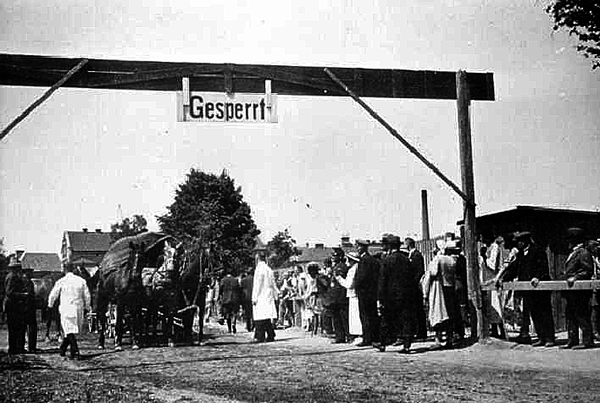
(534, 209)
(81, 241)
(41, 261)
(313, 254)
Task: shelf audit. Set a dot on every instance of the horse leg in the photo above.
(169, 329)
(135, 327)
(101, 318)
(119, 327)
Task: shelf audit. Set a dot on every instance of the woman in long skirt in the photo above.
(354, 324)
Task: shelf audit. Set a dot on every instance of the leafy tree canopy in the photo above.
(209, 211)
(3, 256)
(582, 19)
(281, 248)
(128, 227)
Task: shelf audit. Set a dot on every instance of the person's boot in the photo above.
(62, 350)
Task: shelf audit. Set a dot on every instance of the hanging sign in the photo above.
(222, 107)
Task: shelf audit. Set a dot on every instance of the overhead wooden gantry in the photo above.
(43, 71)
(54, 72)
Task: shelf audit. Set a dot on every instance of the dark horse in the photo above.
(120, 283)
(42, 287)
(195, 279)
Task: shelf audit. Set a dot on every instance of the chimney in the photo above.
(319, 246)
(85, 229)
(424, 215)
(98, 230)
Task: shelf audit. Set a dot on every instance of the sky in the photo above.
(326, 169)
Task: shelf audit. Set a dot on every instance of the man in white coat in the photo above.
(264, 293)
(74, 297)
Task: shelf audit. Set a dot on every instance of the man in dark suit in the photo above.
(230, 292)
(397, 298)
(417, 263)
(247, 281)
(365, 284)
(579, 266)
(531, 264)
(15, 296)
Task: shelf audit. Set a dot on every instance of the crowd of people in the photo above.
(393, 298)
(527, 261)
(388, 298)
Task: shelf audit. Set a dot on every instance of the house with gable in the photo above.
(85, 248)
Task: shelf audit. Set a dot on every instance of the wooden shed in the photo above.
(548, 227)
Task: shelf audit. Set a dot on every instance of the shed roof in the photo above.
(534, 209)
(39, 261)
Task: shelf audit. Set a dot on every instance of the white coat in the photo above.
(264, 292)
(74, 296)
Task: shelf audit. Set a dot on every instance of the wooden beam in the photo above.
(283, 76)
(397, 135)
(34, 70)
(463, 103)
(554, 285)
(140, 77)
(41, 99)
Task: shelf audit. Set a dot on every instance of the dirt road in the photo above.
(300, 368)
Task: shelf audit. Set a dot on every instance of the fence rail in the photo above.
(545, 286)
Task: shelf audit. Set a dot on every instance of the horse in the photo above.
(41, 288)
(119, 282)
(163, 290)
(195, 281)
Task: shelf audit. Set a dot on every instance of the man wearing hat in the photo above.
(15, 296)
(531, 264)
(336, 297)
(579, 266)
(397, 297)
(365, 285)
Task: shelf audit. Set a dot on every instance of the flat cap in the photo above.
(362, 242)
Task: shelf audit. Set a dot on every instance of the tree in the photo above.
(209, 211)
(282, 247)
(3, 259)
(128, 227)
(582, 19)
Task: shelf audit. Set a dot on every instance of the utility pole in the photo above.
(468, 186)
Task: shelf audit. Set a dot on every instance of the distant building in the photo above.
(42, 264)
(84, 247)
(319, 252)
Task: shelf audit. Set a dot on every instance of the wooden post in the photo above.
(424, 215)
(468, 187)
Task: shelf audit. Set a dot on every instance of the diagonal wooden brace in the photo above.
(41, 99)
